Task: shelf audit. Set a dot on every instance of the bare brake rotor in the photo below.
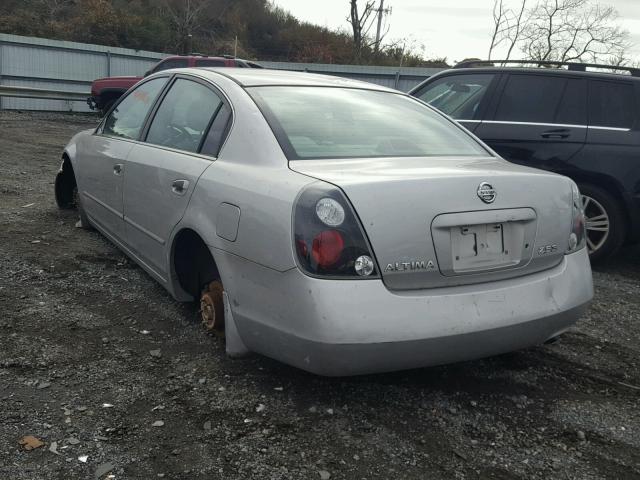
(212, 308)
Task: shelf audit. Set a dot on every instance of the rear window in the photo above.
(329, 122)
(172, 63)
(210, 62)
(458, 96)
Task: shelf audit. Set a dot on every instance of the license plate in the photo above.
(479, 246)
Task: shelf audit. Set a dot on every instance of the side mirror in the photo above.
(147, 73)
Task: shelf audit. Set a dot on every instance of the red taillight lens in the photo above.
(327, 248)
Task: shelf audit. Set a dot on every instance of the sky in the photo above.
(455, 29)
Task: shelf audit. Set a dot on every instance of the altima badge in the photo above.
(403, 266)
(486, 192)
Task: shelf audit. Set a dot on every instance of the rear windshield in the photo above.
(329, 122)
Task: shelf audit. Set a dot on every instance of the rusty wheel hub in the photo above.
(212, 308)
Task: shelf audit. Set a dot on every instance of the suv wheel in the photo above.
(604, 221)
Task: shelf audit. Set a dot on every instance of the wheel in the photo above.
(604, 221)
(212, 308)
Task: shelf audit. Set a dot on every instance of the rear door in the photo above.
(103, 157)
(171, 63)
(537, 120)
(182, 140)
(462, 96)
(613, 142)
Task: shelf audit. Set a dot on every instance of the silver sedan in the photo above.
(337, 226)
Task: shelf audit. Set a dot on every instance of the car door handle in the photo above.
(117, 169)
(560, 133)
(179, 187)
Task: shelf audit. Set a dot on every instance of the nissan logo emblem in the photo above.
(486, 192)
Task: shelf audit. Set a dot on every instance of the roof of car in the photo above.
(248, 77)
(542, 71)
(194, 55)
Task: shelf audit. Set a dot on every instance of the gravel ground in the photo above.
(116, 378)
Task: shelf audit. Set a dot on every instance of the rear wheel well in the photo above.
(611, 187)
(193, 263)
(65, 185)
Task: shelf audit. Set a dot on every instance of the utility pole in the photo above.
(381, 11)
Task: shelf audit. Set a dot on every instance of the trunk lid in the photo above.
(428, 225)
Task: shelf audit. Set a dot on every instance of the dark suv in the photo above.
(563, 118)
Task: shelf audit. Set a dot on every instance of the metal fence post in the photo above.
(397, 80)
(108, 64)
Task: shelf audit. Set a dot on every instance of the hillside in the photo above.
(263, 31)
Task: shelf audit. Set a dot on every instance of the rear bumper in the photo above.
(342, 359)
(354, 327)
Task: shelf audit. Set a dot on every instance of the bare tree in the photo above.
(519, 20)
(569, 30)
(361, 24)
(500, 25)
(53, 8)
(185, 17)
(507, 26)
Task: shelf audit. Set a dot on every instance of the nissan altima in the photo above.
(334, 225)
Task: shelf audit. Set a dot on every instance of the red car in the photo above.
(105, 91)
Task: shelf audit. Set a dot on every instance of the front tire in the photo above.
(605, 222)
(66, 189)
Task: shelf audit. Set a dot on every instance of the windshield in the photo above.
(329, 122)
(457, 95)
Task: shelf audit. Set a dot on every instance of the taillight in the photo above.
(328, 238)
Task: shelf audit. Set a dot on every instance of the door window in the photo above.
(457, 95)
(531, 98)
(172, 63)
(572, 109)
(127, 119)
(183, 116)
(611, 104)
(217, 132)
(210, 62)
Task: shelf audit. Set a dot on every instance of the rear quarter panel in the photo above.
(252, 174)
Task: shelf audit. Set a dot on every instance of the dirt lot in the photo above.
(78, 322)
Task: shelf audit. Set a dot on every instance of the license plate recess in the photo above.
(475, 242)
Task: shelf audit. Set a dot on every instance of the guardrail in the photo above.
(42, 93)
